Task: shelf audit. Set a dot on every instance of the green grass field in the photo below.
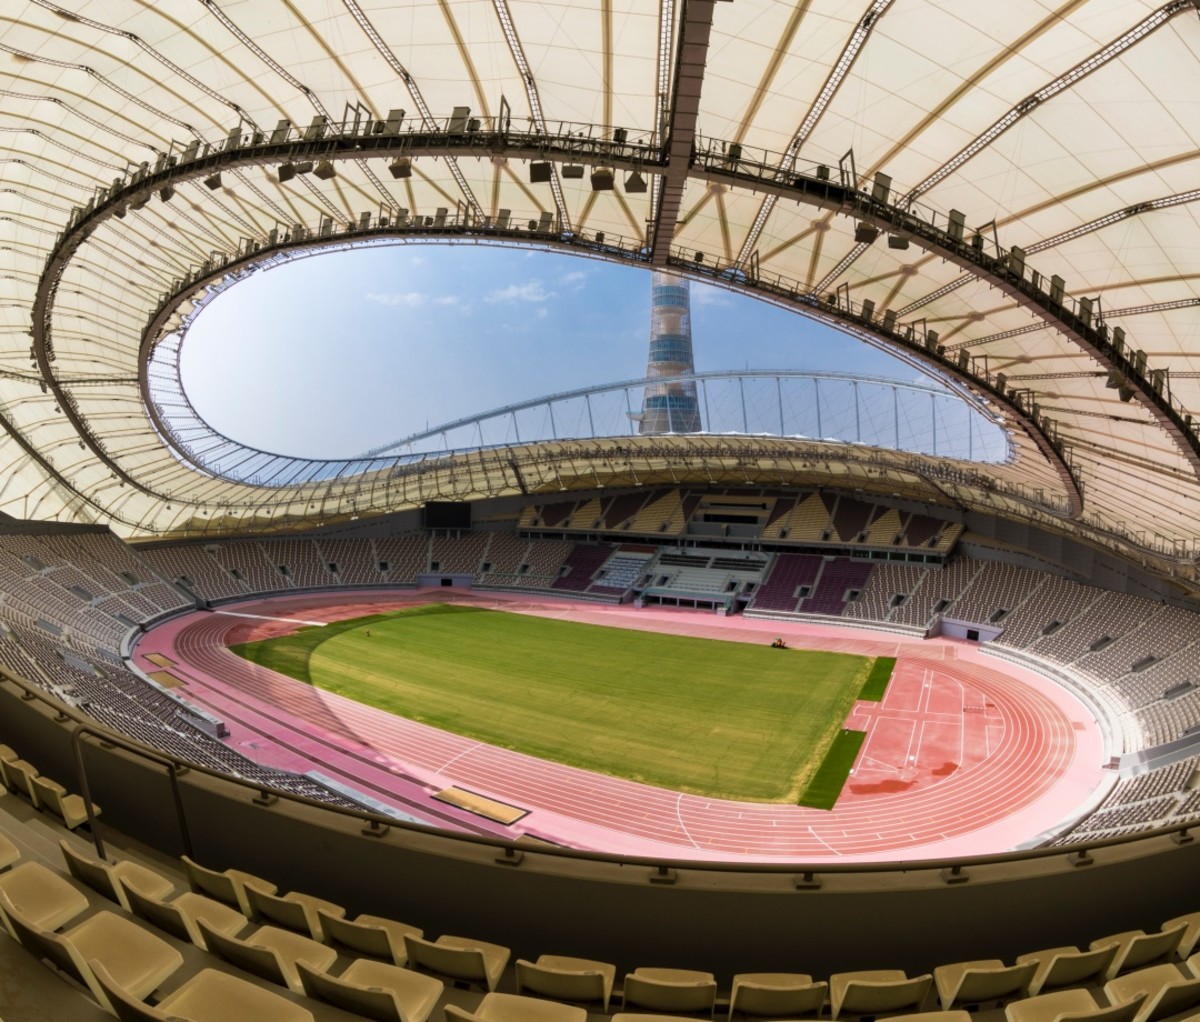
(724, 719)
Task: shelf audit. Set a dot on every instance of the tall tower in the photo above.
(670, 407)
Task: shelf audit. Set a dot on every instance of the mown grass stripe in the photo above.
(877, 681)
(827, 783)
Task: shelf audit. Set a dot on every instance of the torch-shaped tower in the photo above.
(670, 407)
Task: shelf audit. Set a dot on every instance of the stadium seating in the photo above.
(577, 980)
(458, 959)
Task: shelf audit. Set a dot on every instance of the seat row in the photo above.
(44, 793)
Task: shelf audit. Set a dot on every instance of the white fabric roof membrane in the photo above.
(1069, 130)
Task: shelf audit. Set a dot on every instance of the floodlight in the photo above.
(325, 170)
(213, 181)
(287, 171)
(865, 232)
(602, 180)
(400, 167)
(539, 173)
(635, 184)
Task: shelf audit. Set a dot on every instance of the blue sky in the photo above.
(337, 353)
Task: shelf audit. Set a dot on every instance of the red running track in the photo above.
(960, 758)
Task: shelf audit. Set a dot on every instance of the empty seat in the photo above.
(377, 990)
(209, 996)
(1136, 948)
(9, 853)
(111, 879)
(459, 959)
(1072, 1006)
(1168, 991)
(1067, 966)
(43, 897)
(776, 994)
(367, 935)
(981, 982)
(180, 916)
(270, 952)
(877, 992)
(954, 1015)
(227, 885)
(135, 958)
(68, 807)
(1190, 924)
(515, 1008)
(18, 776)
(579, 980)
(680, 990)
(295, 911)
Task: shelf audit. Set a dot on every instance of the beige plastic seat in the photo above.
(18, 776)
(1190, 924)
(641, 1016)
(376, 990)
(954, 1015)
(981, 982)
(577, 980)
(369, 935)
(68, 807)
(47, 900)
(1067, 966)
(227, 885)
(9, 853)
(209, 996)
(1072, 1005)
(1168, 990)
(458, 959)
(180, 916)
(681, 990)
(111, 879)
(776, 994)
(271, 953)
(135, 958)
(299, 912)
(1136, 948)
(877, 992)
(515, 1008)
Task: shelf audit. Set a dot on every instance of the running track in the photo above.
(961, 757)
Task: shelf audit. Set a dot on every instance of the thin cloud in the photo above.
(530, 291)
(574, 277)
(411, 299)
(709, 297)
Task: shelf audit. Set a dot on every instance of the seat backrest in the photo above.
(157, 913)
(289, 914)
(454, 1013)
(771, 999)
(261, 961)
(992, 984)
(46, 792)
(560, 984)
(211, 882)
(92, 872)
(373, 1002)
(1172, 999)
(868, 997)
(124, 1005)
(360, 937)
(670, 995)
(44, 944)
(459, 963)
(1150, 947)
(21, 773)
(1074, 968)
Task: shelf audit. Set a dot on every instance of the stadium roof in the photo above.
(1010, 186)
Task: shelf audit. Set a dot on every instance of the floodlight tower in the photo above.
(670, 407)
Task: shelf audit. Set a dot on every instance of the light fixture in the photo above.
(865, 232)
(539, 173)
(287, 171)
(602, 179)
(899, 241)
(699, 257)
(213, 181)
(325, 170)
(572, 170)
(166, 193)
(400, 167)
(635, 184)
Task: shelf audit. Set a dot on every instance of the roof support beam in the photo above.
(691, 57)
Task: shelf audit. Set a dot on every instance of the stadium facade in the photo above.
(1002, 195)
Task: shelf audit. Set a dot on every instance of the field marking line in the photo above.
(679, 817)
(459, 755)
(268, 617)
(822, 840)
